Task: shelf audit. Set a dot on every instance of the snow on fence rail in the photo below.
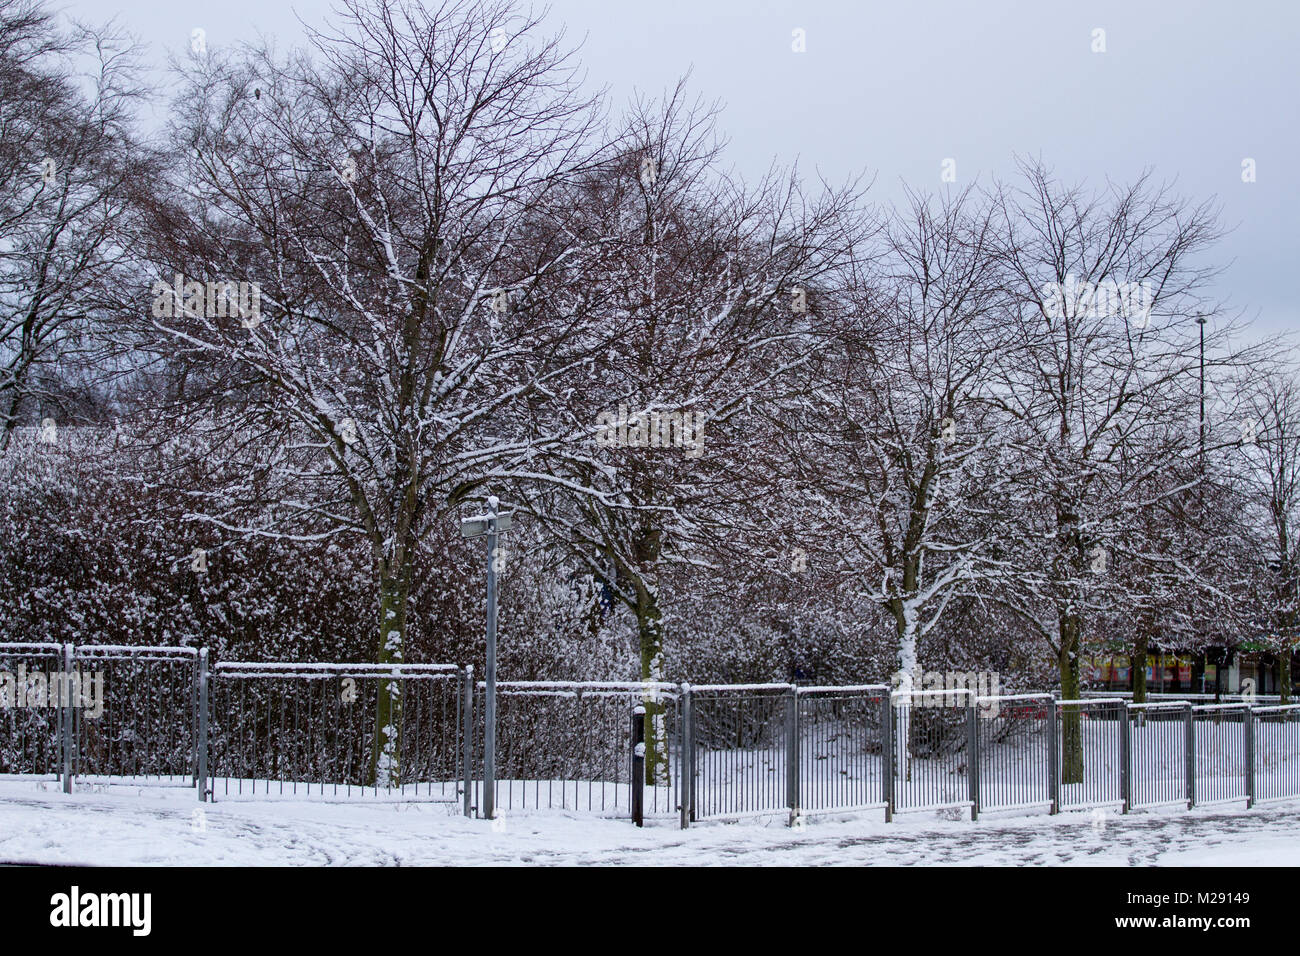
(164, 715)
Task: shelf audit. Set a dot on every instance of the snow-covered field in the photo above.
(166, 826)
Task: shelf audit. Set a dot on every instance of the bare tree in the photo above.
(699, 282)
(1269, 453)
(890, 449)
(67, 166)
(401, 316)
(1102, 288)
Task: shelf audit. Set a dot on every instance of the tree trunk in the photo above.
(386, 747)
(1139, 662)
(905, 620)
(1071, 720)
(650, 632)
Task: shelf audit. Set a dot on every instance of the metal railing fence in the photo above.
(165, 715)
(1089, 759)
(147, 726)
(298, 729)
(31, 744)
(567, 745)
(1274, 739)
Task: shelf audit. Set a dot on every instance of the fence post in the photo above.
(792, 752)
(973, 756)
(1053, 757)
(467, 736)
(194, 725)
(887, 753)
(687, 769)
(1248, 757)
(65, 717)
(1125, 759)
(638, 765)
(201, 738)
(1189, 722)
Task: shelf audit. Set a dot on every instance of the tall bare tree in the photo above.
(699, 282)
(1102, 288)
(386, 191)
(68, 165)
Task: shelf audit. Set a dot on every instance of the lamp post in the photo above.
(1200, 320)
(1218, 667)
(491, 525)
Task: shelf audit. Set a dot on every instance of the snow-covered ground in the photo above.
(163, 826)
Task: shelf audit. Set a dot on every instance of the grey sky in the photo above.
(1188, 88)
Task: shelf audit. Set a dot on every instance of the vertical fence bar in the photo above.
(1053, 757)
(973, 757)
(1125, 758)
(201, 734)
(1189, 742)
(65, 717)
(887, 753)
(687, 761)
(637, 783)
(467, 737)
(1248, 755)
(792, 752)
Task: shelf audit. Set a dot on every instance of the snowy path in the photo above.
(156, 826)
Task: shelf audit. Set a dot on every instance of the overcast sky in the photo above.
(1188, 88)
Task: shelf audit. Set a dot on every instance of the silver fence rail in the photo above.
(1261, 700)
(658, 751)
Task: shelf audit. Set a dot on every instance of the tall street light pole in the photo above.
(1218, 667)
(1200, 320)
(491, 525)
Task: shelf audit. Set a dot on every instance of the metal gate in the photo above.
(1220, 758)
(1276, 740)
(842, 755)
(934, 736)
(566, 745)
(30, 738)
(287, 729)
(1014, 740)
(1090, 752)
(1160, 735)
(146, 730)
(742, 745)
